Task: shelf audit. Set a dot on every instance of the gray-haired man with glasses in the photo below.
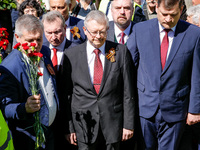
(99, 76)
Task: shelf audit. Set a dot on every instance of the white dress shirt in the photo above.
(170, 37)
(60, 52)
(68, 28)
(91, 58)
(118, 33)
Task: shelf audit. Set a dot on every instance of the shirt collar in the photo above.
(91, 48)
(161, 28)
(61, 47)
(118, 31)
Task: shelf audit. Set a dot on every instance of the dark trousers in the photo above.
(23, 141)
(191, 138)
(159, 134)
(99, 144)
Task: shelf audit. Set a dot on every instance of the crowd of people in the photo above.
(114, 75)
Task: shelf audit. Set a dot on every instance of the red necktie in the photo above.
(121, 41)
(164, 48)
(98, 71)
(54, 59)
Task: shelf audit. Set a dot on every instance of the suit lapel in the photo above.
(84, 65)
(25, 68)
(107, 66)
(153, 56)
(49, 67)
(178, 37)
(131, 29)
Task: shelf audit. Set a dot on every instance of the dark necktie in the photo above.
(121, 41)
(98, 71)
(164, 48)
(55, 59)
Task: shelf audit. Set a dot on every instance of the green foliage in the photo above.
(7, 4)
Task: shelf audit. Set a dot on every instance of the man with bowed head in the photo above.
(167, 54)
(99, 78)
(18, 104)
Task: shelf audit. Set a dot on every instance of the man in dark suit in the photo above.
(167, 53)
(18, 104)
(55, 31)
(74, 26)
(99, 75)
(121, 26)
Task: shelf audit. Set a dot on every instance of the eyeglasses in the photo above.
(94, 34)
(26, 11)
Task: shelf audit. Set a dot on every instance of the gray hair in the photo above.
(27, 23)
(194, 11)
(98, 16)
(66, 1)
(188, 3)
(52, 16)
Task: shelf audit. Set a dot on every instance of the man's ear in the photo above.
(17, 38)
(70, 5)
(182, 8)
(156, 7)
(84, 29)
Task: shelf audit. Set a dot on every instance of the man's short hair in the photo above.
(27, 23)
(170, 3)
(98, 16)
(52, 16)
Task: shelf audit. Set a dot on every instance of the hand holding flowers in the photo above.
(33, 103)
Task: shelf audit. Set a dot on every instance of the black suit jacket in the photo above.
(113, 107)
(111, 31)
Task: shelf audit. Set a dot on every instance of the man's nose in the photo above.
(122, 11)
(168, 18)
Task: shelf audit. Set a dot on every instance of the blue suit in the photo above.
(14, 91)
(173, 91)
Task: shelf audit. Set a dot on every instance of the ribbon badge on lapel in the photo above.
(50, 69)
(75, 33)
(111, 55)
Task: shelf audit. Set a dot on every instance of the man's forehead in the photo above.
(122, 2)
(172, 10)
(57, 2)
(31, 33)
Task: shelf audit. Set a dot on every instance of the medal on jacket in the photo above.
(50, 69)
(111, 55)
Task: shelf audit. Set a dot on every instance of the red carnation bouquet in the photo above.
(3, 40)
(33, 74)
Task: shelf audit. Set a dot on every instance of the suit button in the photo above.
(162, 79)
(160, 93)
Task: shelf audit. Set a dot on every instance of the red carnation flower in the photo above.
(3, 29)
(25, 48)
(33, 44)
(32, 54)
(16, 46)
(24, 44)
(40, 74)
